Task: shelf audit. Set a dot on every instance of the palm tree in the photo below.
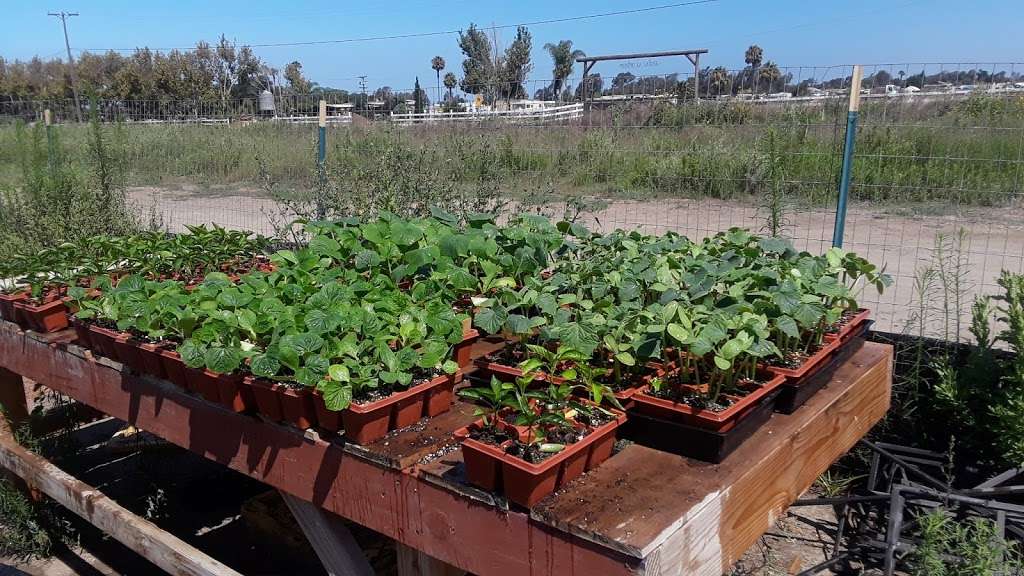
(769, 74)
(437, 63)
(450, 81)
(719, 79)
(564, 58)
(753, 57)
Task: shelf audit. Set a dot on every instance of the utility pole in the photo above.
(366, 103)
(71, 62)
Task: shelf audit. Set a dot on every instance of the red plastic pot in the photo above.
(297, 406)
(235, 393)
(48, 317)
(174, 368)
(793, 375)
(489, 467)
(461, 352)
(7, 305)
(365, 423)
(439, 399)
(127, 350)
(267, 397)
(707, 419)
(81, 332)
(326, 419)
(204, 383)
(861, 316)
(102, 340)
(151, 358)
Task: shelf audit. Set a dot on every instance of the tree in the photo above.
(515, 65)
(419, 98)
(450, 81)
(753, 57)
(478, 66)
(719, 80)
(769, 74)
(564, 58)
(437, 63)
(293, 74)
(592, 84)
(621, 81)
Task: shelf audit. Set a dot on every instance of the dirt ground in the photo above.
(903, 238)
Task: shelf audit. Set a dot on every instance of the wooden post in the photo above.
(330, 538)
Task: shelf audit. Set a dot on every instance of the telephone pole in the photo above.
(71, 62)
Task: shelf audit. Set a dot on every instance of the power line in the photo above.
(443, 32)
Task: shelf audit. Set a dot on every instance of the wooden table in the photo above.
(641, 512)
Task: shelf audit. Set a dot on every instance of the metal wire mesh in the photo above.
(940, 150)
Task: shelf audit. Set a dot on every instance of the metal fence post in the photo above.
(851, 137)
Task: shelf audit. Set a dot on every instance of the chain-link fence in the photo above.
(937, 178)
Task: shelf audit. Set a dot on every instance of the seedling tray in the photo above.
(694, 441)
(855, 322)
(48, 317)
(794, 393)
(721, 421)
(490, 468)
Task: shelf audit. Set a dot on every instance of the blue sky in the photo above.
(792, 33)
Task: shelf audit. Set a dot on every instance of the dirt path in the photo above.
(903, 240)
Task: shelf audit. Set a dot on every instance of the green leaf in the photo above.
(192, 354)
(678, 332)
(222, 360)
(339, 373)
(337, 396)
(625, 358)
(264, 365)
(722, 363)
(491, 320)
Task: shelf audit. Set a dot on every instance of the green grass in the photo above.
(968, 153)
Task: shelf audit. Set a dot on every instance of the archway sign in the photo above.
(692, 55)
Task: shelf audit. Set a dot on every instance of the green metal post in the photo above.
(848, 145)
(321, 153)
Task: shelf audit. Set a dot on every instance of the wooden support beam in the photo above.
(159, 547)
(12, 398)
(412, 562)
(330, 538)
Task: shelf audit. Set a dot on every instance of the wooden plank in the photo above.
(707, 515)
(419, 442)
(159, 547)
(330, 538)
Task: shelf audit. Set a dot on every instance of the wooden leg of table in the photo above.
(12, 398)
(330, 538)
(412, 562)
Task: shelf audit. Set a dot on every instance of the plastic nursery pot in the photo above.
(204, 383)
(490, 468)
(482, 461)
(850, 324)
(461, 352)
(266, 396)
(127, 350)
(174, 368)
(102, 340)
(720, 421)
(48, 317)
(81, 332)
(7, 305)
(326, 419)
(487, 368)
(439, 399)
(297, 406)
(365, 423)
(235, 393)
(151, 358)
(810, 365)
